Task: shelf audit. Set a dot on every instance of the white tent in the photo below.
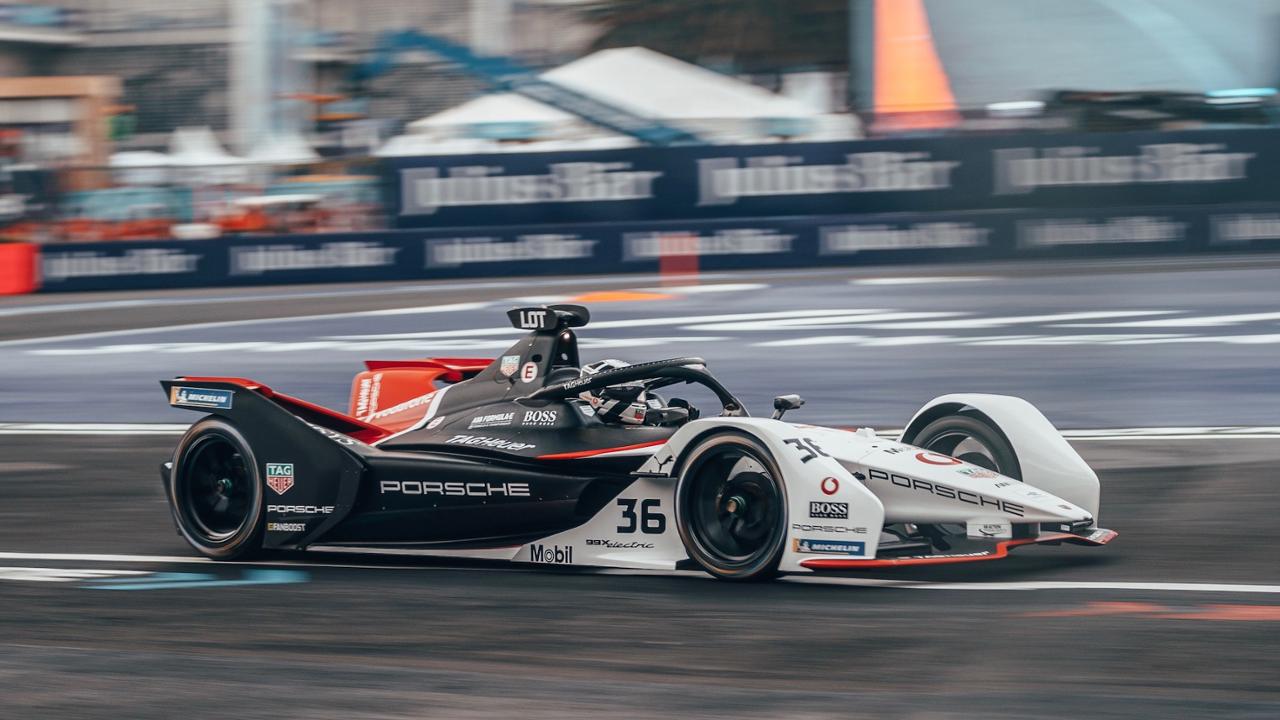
(286, 149)
(197, 148)
(716, 107)
(142, 167)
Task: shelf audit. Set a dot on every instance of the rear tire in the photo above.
(215, 491)
(731, 508)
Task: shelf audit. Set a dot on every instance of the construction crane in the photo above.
(506, 75)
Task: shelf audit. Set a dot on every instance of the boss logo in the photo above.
(540, 417)
(830, 510)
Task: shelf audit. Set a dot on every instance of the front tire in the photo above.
(731, 508)
(215, 491)
(970, 437)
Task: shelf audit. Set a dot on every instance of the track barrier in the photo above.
(18, 268)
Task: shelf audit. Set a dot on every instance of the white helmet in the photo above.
(625, 403)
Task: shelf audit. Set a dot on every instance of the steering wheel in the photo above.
(681, 369)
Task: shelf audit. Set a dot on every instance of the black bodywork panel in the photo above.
(482, 470)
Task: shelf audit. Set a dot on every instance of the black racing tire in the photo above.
(731, 507)
(970, 437)
(215, 491)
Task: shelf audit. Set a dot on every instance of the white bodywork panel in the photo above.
(870, 480)
(841, 488)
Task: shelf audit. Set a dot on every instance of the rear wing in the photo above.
(456, 369)
(218, 395)
(326, 451)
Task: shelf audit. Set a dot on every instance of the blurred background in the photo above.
(158, 120)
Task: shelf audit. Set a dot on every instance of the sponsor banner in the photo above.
(736, 244)
(909, 175)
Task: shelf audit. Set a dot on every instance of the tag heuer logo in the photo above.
(509, 365)
(280, 477)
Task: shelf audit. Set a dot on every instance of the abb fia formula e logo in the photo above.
(280, 477)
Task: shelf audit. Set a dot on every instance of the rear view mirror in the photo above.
(783, 403)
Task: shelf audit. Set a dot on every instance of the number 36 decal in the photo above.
(650, 519)
(807, 447)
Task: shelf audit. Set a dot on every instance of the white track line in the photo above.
(924, 280)
(1187, 587)
(127, 332)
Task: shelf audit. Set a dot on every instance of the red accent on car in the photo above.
(388, 383)
(1001, 550)
(601, 451)
(459, 368)
(309, 411)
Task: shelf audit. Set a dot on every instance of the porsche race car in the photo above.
(532, 458)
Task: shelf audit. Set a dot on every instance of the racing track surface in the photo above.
(1178, 618)
(425, 640)
(1093, 344)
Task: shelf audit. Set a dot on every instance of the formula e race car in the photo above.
(532, 458)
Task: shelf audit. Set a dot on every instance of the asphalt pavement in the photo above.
(345, 637)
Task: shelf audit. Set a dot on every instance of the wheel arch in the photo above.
(1046, 459)
(802, 480)
(929, 413)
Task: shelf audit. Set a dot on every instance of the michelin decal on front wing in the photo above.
(829, 547)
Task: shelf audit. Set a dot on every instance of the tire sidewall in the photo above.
(767, 566)
(1006, 459)
(247, 539)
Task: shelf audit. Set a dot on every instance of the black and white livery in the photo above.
(531, 458)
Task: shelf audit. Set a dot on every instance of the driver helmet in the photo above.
(623, 403)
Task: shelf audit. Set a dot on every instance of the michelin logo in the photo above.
(829, 547)
(200, 397)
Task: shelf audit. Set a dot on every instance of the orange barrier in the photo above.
(18, 273)
(909, 77)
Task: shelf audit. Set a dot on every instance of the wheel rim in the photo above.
(215, 488)
(966, 447)
(734, 506)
